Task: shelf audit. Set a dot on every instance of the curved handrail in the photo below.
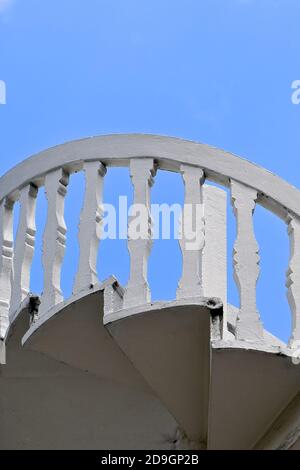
(116, 150)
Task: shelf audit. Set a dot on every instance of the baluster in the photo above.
(293, 278)
(246, 262)
(6, 262)
(137, 292)
(24, 247)
(90, 226)
(54, 243)
(192, 233)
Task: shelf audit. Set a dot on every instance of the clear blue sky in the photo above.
(215, 71)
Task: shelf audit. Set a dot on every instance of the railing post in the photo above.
(54, 243)
(293, 278)
(24, 247)
(90, 226)
(6, 262)
(214, 258)
(137, 291)
(192, 233)
(246, 262)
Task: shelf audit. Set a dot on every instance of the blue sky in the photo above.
(215, 71)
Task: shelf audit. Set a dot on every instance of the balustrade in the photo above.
(24, 247)
(203, 241)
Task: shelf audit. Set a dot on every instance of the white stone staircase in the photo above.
(190, 352)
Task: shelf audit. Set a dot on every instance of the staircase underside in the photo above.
(154, 380)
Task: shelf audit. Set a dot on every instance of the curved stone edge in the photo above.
(30, 302)
(61, 306)
(263, 346)
(274, 193)
(271, 344)
(213, 304)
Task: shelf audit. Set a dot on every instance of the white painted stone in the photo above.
(113, 299)
(6, 262)
(214, 258)
(190, 284)
(90, 226)
(170, 154)
(137, 291)
(117, 150)
(54, 243)
(293, 278)
(246, 262)
(24, 248)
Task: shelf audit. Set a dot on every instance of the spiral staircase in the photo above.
(108, 368)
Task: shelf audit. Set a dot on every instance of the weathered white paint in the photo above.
(190, 284)
(90, 226)
(137, 291)
(54, 244)
(24, 247)
(293, 278)
(113, 299)
(74, 336)
(170, 152)
(6, 262)
(212, 304)
(246, 262)
(250, 183)
(214, 257)
(204, 273)
(56, 309)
